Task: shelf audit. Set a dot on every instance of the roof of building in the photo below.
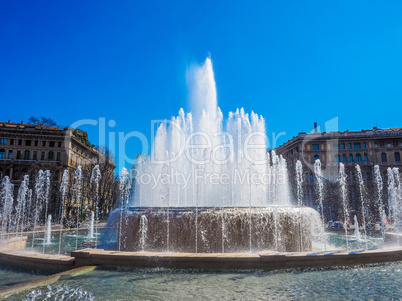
(374, 132)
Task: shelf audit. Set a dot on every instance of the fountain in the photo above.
(210, 185)
(362, 200)
(95, 178)
(343, 183)
(357, 232)
(91, 234)
(48, 232)
(63, 190)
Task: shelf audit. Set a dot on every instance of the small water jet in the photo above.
(343, 184)
(48, 232)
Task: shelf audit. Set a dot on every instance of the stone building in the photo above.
(376, 146)
(26, 148)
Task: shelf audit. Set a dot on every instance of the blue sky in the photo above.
(294, 62)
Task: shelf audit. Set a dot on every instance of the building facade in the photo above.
(27, 148)
(367, 148)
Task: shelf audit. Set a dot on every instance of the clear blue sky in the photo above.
(294, 62)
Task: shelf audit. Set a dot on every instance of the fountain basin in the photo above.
(218, 230)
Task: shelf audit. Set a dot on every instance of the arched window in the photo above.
(26, 155)
(16, 174)
(316, 157)
(397, 157)
(383, 157)
(351, 158)
(50, 156)
(358, 158)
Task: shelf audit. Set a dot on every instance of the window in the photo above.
(395, 143)
(58, 156)
(51, 143)
(36, 142)
(351, 158)
(11, 141)
(20, 142)
(337, 158)
(18, 155)
(42, 156)
(397, 157)
(344, 158)
(368, 176)
(365, 157)
(43, 143)
(364, 145)
(3, 141)
(50, 156)
(28, 142)
(59, 144)
(316, 147)
(2, 153)
(358, 158)
(343, 145)
(10, 154)
(316, 157)
(335, 146)
(311, 177)
(383, 157)
(35, 155)
(350, 145)
(382, 144)
(16, 174)
(357, 146)
(26, 155)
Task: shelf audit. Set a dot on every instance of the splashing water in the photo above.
(362, 200)
(48, 232)
(320, 187)
(206, 162)
(299, 179)
(7, 201)
(357, 232)
(380, 204)
(59, 292)
(77, 188)
(64, 191)
(344, 193)
(95, 178)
